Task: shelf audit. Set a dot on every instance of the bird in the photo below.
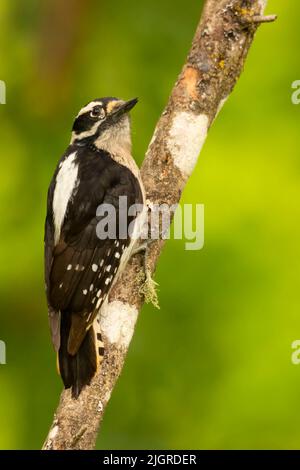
(96, 169)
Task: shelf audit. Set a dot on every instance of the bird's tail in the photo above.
(77, 370)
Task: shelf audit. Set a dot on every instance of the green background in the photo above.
(212, 368)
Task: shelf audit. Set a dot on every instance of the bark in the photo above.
(212, 68)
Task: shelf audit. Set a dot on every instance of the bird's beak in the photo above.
(128, 105)
(124, 108)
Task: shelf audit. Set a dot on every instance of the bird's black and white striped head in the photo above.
(103, 120)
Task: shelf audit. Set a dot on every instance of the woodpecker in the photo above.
(80, 268)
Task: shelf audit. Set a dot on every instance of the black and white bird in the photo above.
(80, 268)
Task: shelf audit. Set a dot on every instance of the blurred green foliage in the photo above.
(212, 368)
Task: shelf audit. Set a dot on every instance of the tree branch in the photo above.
(213, 66)
(260, 19)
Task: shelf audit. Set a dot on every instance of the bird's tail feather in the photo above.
(78, 370)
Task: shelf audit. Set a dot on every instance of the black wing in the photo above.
(81, 267)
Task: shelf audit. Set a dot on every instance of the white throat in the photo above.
(117, 142)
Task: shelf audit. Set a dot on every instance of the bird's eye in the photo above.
(97, 112)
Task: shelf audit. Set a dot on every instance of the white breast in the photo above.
(66, 183)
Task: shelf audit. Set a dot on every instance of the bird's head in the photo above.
(103, 121)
